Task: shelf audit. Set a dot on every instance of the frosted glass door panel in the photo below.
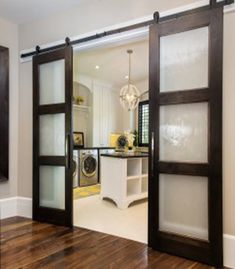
(52, 135)
(184, 205)
(184, 60)
(52, 82)
(184, 133)
(52, 187)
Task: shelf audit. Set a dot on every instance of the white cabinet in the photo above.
(107, 114)
(124, 180)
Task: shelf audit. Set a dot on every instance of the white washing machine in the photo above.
(88, 167)
(75, 168)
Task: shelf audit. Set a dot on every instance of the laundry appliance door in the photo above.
(89, 169)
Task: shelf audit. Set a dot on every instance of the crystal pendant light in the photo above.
(129, 94)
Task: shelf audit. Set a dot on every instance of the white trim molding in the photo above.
(22, 206)
(8, 207)
(15, 206)
(229, 251)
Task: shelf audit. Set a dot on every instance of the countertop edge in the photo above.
(124, 156)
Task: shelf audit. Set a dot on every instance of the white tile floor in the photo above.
(103, 216)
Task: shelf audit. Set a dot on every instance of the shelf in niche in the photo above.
(144, 175)
(81, 108)
(133, 177)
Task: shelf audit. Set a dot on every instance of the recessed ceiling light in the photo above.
(97, 67)
(126, 77)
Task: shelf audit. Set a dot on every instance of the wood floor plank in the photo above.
(27, 244)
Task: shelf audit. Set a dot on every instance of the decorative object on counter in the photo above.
(78, 139)
(136, 140)
(113, 139)
(130, 138)
(79, 100)
(122, 142)
(129, 94)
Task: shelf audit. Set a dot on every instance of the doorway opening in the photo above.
(185, 136)
(99, 122)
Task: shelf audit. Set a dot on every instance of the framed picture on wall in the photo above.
(78, 139)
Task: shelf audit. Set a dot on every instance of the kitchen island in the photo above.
(124, 177)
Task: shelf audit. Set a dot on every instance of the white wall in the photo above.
(9, 38)
(89, 16)
(229, 124)
(96, 14)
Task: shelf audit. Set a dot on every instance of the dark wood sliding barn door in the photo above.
(52, 137)
(185, 180)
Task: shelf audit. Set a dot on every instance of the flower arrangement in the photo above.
(130, 137)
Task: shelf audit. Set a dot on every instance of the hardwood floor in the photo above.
(28, 244)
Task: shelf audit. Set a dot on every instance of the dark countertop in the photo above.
(90, 148)
(124, 155)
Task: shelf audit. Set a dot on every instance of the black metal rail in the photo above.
(156, 19)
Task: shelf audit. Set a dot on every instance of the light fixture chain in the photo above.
(129, 94)
(129, 68)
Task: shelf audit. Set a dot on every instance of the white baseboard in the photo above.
(229, 251)
(15, 206)
(21, 206)
(8, 207)
(24, 207)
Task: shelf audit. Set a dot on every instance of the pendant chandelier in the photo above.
(129, 94)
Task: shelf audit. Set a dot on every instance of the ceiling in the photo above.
(23, 11)
(113, 63)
